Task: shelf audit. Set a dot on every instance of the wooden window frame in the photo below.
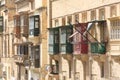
(113, 11)
(93, 15)
(102, 14)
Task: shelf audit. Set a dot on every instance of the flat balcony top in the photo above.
(18, 1)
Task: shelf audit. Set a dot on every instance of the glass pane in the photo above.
(37, 52)
(63, 48)
(36, 24)
(21, 20)
(63, 36)
(31, 23)
(1, 23)
(36, 18)
(56, 39)
(31, 32)
(51, 37)
(15, 22)
(51, 48)
(32, 53)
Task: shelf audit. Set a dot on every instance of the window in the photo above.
(51, 37)
(84, 16)
(37, 56)
(69, 19)
(18, 50)
(76, 17)
(16, 20)
(63, 36)
(56, 23)
(93, 15)
(24, 49)
(55, 68)
(65, 45)
(63, 21)
(113, 11)
(34, 25)
(115, 29)
(22, 21)
(102, 14)
(36, 22)
(54, 40)
(1, 23)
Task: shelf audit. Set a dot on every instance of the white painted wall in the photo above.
(65, 7)
(38, 4)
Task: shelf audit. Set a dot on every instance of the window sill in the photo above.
(114, 40)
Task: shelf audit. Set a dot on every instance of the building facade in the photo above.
(84, 39)
(31, 38)
(23, 39)
(7, 10)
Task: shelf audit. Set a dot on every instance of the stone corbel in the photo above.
(116, 58)
(57, 57)
(67, 57)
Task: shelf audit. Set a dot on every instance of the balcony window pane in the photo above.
(63, 36)
(22, 21)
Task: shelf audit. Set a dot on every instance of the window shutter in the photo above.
(24, 23)
(25, 49)
(37, 57)
(17, 25)
(1, 23)
(36, 25)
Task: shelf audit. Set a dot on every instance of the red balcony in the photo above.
(80, 42)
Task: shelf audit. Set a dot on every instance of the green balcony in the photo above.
(98, 47)
(65, 45)
(54, 41)
(1, 23)
(66, 48)
(53, 49)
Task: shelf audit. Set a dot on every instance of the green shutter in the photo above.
(1, 23)
(54, 40)
(98, 48)
(65, 42)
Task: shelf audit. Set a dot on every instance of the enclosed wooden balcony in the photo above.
(65, 43)
(53, 41)
(98, 47)
(80, 41)
(1, 24)
(24, 23)
(17, 25)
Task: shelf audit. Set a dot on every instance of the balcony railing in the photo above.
(20, 58)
